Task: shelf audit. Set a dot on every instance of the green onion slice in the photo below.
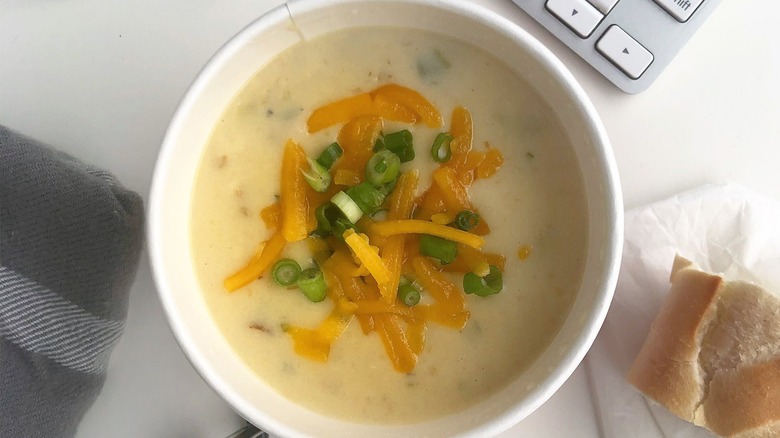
(342, 225)
(312, 284)
(367, 197)
(329, 156)
(347, 206)
(286, 272)
(382, 168)
(379, 144)
(385, 189)
(441, 249)
(318, 177)
(326, 215)
(466, 220)
(400, 143)
(440, 151)
(491, 284)
(408, 294)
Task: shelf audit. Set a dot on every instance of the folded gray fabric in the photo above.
(70, 238)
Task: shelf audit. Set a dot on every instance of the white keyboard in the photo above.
(629, 41)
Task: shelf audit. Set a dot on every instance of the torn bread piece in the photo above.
(712, 355)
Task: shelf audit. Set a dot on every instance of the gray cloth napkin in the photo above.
(70, 238)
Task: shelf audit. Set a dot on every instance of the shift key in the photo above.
(681, 10)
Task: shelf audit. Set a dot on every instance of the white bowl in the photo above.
(214, 89)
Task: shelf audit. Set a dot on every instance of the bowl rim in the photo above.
(613, 198)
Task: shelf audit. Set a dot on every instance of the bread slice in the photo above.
(712, 355)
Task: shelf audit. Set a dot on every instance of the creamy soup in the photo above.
(535, 201)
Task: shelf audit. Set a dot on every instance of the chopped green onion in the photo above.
(326, 215)
(312, 284)
(366, 196)
(347, 206)
(431, 65)
(408, 294)
(385, 189)
(379, 144)
(319, 232)
(491, 284)
(319, 177)
(441, 249)
(400, 143)
(329, 156)
(286, 272)
(466, 220)
(342, 225)
(382, 168)
(440, 151)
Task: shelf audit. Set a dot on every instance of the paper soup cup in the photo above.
(213, 90)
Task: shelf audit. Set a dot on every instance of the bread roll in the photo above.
(712, 356)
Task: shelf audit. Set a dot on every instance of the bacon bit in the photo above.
(261, 328)
(222, 161)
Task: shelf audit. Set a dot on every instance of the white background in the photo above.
(101, 79)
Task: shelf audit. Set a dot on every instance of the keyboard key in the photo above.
(578, 15)
(604, 6)
(625, 52)
(681, 10)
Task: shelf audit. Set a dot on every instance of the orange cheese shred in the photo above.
(437, 285)
(390, 109)
(390, 102)
(490, 164)
(357, 139)
(315, 344)
(374, 307)
(340, 111)
(294, 205)
(456, 197)
(346, 177)
(271, 215)
(396, 344)
(432, 202)
(257, 266)
(462, 130)
(470, 259)
(415, 335)
(444, 315)
(411, 99)
(416, 226)
(401, 204)
(368, 257)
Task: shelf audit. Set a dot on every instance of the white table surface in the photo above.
(101, 80)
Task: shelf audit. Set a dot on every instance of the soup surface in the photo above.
(535, 201)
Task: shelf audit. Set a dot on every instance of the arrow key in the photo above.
(625, 52)
(579, 15)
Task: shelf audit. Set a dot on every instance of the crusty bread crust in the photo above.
(712, 355)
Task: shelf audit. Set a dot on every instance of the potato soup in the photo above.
(535, 206)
